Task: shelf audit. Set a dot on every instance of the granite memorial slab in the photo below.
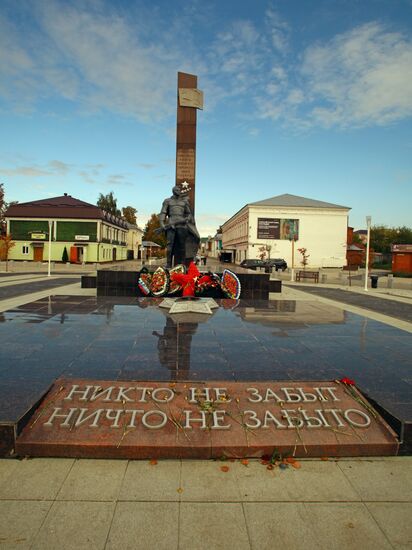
(152, 419)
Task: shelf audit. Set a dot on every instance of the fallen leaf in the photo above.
(269, 467)
(290, 460)
(153, 462)
(325, 458)
(224, 468)
(245, 462)
(296, 464)
(180, 490)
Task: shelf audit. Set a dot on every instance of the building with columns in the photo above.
(88, 233)
(277, 227)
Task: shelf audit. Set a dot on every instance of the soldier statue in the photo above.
(176, 219)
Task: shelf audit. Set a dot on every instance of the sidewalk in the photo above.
(61, 504)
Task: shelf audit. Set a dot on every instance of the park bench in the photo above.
(307, 275)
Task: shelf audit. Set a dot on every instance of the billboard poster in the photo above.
(275, 228)
(267, 228)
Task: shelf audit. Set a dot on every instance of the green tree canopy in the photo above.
(382, 237)
(108, 203)
(150, 233)
(3, 207)
(129, 214)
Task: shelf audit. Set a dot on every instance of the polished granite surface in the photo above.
(132, 338)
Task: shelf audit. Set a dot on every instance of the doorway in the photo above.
(38, 253)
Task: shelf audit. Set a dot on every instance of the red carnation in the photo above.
(347, 381)
(187, 280)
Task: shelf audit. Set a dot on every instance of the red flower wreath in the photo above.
(191, 280)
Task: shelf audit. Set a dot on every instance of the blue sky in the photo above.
(309, 97)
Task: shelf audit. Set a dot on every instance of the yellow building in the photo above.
(86, 232)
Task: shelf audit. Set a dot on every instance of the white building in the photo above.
(134, 241)
(279, 226)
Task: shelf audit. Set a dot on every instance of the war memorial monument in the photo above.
(243, 374)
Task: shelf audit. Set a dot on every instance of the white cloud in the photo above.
(99, 59)
(363, 76)
(278, 29)
(52, 168)
(359, 78)
(25, 171)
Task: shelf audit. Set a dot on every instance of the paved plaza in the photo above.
(318, 503)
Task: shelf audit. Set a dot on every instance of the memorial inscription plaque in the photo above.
(112, 419)
(185, 164)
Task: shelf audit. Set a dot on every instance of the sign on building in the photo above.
(275, 228)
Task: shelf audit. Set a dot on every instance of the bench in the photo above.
(307, 275)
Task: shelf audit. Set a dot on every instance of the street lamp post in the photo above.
(292, 239)
(368, 238)
(50, 241)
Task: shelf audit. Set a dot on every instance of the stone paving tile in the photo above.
(7, 467)
(313, 526)
(20, 521)
(158, 482)
(394, 519)
(75, 526)
(205, 481)
(280, 525)
(212, 526)
(93, 480)
(37, 479)
(314, 481)
(384, 480)
(344, 525)
(144, 525)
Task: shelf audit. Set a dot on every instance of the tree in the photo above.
(65, 256)
(129, 214)
(304, 261)
(6, 244)
(382, 237)
(151, 234)
(108, 203)
(3, 207)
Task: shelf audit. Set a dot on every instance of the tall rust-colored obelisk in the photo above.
(189, 99)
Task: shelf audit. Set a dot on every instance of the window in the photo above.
(25, 249)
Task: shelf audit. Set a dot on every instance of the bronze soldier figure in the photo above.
(177, 221)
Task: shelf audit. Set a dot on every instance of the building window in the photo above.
(24, 249)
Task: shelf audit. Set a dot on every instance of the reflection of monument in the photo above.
(177, 221)
(174, 347)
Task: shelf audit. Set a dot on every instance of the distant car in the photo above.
(252, 264)
(277, 263)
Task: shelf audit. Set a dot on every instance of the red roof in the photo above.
(61, 207)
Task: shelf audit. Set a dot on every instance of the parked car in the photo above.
(252, 264)
(277, 263)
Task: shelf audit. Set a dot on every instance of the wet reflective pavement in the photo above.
(393, 308)
(12, 290)
(134, 339)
